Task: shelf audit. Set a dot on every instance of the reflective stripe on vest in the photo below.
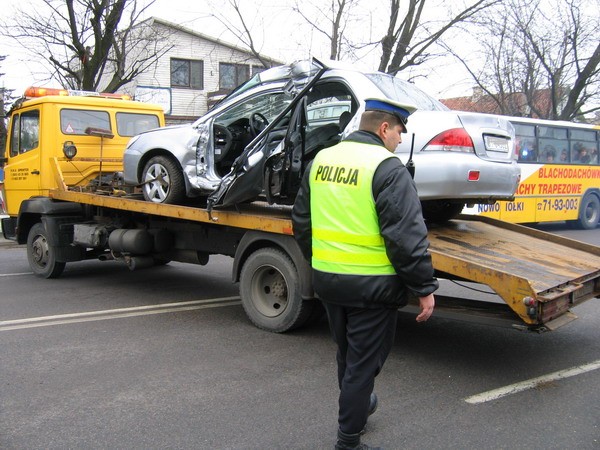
(346, 237)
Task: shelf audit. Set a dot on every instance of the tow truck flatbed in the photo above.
(539, 276)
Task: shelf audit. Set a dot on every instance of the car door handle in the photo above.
(35, 172)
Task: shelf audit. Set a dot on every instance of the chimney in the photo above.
(477, 94)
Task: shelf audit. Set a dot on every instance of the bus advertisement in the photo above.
(560, 175)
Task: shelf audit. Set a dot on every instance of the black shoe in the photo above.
(351, 442)
(373, 403)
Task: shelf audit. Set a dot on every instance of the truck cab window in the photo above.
(75, 121)
(25, 132)
(130, 124)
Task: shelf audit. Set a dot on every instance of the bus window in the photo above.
(553, 144)
(584, 148)
(525, 142)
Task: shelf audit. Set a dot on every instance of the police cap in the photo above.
(400, 110)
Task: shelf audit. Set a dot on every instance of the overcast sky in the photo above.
(279, 32)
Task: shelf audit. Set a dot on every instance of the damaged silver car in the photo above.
(256, 143)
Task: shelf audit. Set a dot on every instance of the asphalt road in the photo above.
(107, 358)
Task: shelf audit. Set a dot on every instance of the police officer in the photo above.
(358, 219)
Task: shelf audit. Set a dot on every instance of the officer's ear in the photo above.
(383, 129)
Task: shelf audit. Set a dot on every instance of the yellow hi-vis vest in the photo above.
(345, 227)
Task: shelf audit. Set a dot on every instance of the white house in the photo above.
(193, 73)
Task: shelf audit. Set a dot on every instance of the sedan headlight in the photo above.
(132, 141)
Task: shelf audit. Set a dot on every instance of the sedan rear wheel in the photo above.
(163, 181)
(440, 211)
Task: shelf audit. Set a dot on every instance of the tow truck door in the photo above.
(22, 177)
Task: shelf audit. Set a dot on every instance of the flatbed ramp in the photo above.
(539, 276)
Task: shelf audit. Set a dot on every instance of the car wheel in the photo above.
(440, 211)
(163, 181)
(41, 254)
(270, 291)
(589, 212)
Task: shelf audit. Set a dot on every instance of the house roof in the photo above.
(206, 37)
(515, 103)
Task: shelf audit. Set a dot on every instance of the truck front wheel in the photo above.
(41, 254)
(270, 291)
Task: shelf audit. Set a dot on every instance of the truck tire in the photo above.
(163, 181)
(270, 291)
(41, 254)
(589, 212)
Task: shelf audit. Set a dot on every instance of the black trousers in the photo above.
(364, 338)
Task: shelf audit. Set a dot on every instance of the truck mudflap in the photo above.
(540, 276)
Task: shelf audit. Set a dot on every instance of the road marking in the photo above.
(532, 383)
(15, 274)
(60, 319)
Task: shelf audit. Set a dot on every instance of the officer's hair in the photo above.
(370, 120)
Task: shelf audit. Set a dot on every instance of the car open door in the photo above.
(245, 181)
(284, 168)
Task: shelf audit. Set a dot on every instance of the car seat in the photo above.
(326, 135)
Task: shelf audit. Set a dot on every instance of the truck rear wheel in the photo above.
(41, 254)
(270, 291)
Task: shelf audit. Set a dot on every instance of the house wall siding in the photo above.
(187, 104)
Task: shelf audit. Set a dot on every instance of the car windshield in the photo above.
(298, 72)
(403, 91)
(269, 105)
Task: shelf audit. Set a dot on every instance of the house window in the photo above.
(232, 75)
(187, 73)
(257, 69)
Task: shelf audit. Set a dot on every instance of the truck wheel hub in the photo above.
(39, 250)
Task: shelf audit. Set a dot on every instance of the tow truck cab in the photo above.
(84, 133)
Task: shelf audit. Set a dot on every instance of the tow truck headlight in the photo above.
(69, 149)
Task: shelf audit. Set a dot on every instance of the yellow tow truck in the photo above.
(64, 199)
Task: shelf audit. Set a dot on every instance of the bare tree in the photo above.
(542, 60)
(409, 40)
(5, 99)
(241, 29)
(87, 43)
(329, 19)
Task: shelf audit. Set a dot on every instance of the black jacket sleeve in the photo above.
(402, 226)
(301, 216)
